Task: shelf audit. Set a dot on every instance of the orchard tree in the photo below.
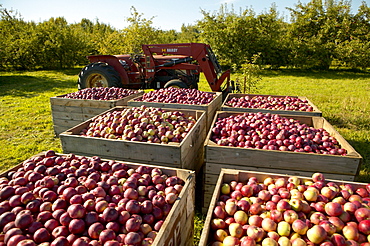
(315, 31)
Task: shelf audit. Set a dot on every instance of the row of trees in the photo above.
(318, 35)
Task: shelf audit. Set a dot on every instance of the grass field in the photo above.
(26, 123)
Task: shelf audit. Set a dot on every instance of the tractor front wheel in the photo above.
(98, 75)
(176, 83)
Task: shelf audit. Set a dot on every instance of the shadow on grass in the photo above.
(318, 74)
(21, 85)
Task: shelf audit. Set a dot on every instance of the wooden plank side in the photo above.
(284, 160)
(224, 107)
(211, 174)
(123, 150)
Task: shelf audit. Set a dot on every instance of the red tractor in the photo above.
(160, 66)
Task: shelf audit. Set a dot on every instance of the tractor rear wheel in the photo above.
(98, 75)
(176, 83)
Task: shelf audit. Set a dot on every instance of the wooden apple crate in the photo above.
(178, 155)
(68, 112)
(284, 162)
(178, 228)
(228, 175)
(210, 108)
(224, 107)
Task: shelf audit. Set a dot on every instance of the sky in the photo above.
(167, 14)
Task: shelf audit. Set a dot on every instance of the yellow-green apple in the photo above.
(269, 242)
(283, 228)
(236, 230)
(300, 226)
(311, 194)
(290, 216)
(231, 241)
(241, 217)
(284, 241)
(230, 207)
(316, 234)
(225, 189)
(295, 180)
(265, 214)
(268, 225)
(268, 180)
(296, 204)
(350, 232)
(299, 242)
(220, 235)
(294, 235)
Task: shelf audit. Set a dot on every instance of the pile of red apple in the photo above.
(178, 95)
(291, 212)
(68, 200)
(101, 93)
(141, 124)
(273, 132)
(270, 103)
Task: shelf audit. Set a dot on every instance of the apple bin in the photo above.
(209, 109)
(67, 112)
(175, 229)
(284, 162)
(260, 208)
(225, 107)
(178, 155)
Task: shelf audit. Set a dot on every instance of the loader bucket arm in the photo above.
(198, 52)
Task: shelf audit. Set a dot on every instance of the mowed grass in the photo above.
(26, 123)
